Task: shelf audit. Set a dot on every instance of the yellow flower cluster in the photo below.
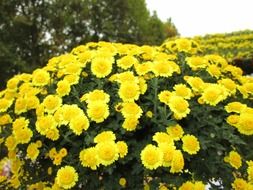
(57, 157)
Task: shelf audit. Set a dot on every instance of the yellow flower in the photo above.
(183, 91)
(214, 71)
(234, 159)
(107, 152)
(63, 88)
(196, 83)
(4, 104)
(190, 144)
(130, 123)
(177, 163)
(66, 177)
(12, 84)
(161, 137)
(23, 135)
(79, 123)
(122, 148)
(96, 95)
(250, 170)
(20, 105)
(164, 96)
(149, 114)
(32, 151)
(126, 62)
(236, 107)
(104, 137)
(72, 79)
(101, 67)
(89, 158)
(233, 120)
(122, 182)
(52, 103)
(52, 133)
(175, 131)
(179, 106)
(151, 157)
(245, 124)
(143, 68)
(63, 152)
(52, 153)
(183, 45)
(5, 119)
(129, 91)
(33, 102)
(127, 76)
(199, 185)
(143, 85)
(20, 123)
(168, 151)
(68, 112)
(159, 68)
(131, 110)
(213, 94)
(44, 123)
(98, 111)
(187, 186)
(40, 77)
(239, 184)
(196, 62)
(229, 84)
(11, 142)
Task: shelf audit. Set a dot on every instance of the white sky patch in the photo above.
(200, 17)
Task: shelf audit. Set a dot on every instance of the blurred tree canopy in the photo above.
(32, 31)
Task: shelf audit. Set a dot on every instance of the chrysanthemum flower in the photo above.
(98, 111)
(143, 68)
(245, 124)
(130, 123)
(32, 151)
(179, 106)
(96, 95)
(190, 144)
(89, 158)
(196, 62)
(183, 91)
(161, 137)
(239, 184)
(104, 137)
(101, 67)
(168, 151)
(164, 96)
(63, 88)
(236, 107)
(40, 77)
(151, 157)
(44, 123)
(175, 131)
(126, 62)
(177, 163)
(79, 123)
(52, 103)
(107, 152)
(66, 177)
(131, 110)
(129, 91)
(213, 94)
(159, 68)
(122, 148)
(234, 159)
(187, 186)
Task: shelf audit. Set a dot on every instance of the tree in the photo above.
(32, 31)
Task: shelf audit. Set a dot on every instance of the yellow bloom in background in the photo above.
(52, 103)
(72, 79)
(122, 148)
(12, 84)
(151, 157)
(196, 62)
(183, 45)
(149, 114)
(107, 152)
(63, 152)
(66, 177)
(79, 123)
(196, 83)
(214, 71)
(168, 151)
(20, 105)
(104, 137)
(190, 144)
(161, 137)
(126, 62)
(236, 107)
(32, 151)
(127, 76)
(95, 95)
(177, 163)
(131, 110)
(213, 94)
(183, 91)
(245, 124)
(52, 153)
(239, 184)
(101, 67)
(175, 131)
(234, 159)
(98, 111)
(40, 77)
(130, 123)
(129, 91)
(187, 186)
(160, 69)
(122, 182)
(33, 102)
(63, 88)
(89, 158)
(179, 106)
(5, 119)
(165, 96)
(143, 68)
(229, 84)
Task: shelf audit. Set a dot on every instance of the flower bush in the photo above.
(115, 116)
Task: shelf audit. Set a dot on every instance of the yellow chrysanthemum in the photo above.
(190, 144)
(168, 151)
(236, 107)
(250, 170)
(20, 105)
(233, 120)
(63, 88)
(66, 177)
(126, 62)
(229, 84)
(131, 110)
(104, 137)
(177, 163)
(89, 158)
(129, 91)
(196, 83)
(44, 123)
(33, 102)
(245, 124)
(79, 123)
(151, 157)
(183, 91)
(175, 131)
(234, 159)
(98, 111)
(40, 77)
(63, 152)
(122, 148)
(20, 123)
(52, 133)
(23, 135)
(159, 68)
(187, 186)
(52, 103)
(127, 76)
(4, 104)
(32, 151)
(122, 182)
(213, 94)
(143, 85)
(183, 45)
(143, 68)
(96, 95)
(179, 106)
(130, 123)
(164, 96)
(161, 137)
(72, 79)
(239, 184)
(107, 152)
(101, 67)
(196, 62)
(68, 112)
(5, 119)
(199, 185)
(11, 142)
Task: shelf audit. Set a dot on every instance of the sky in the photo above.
(200, 17)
